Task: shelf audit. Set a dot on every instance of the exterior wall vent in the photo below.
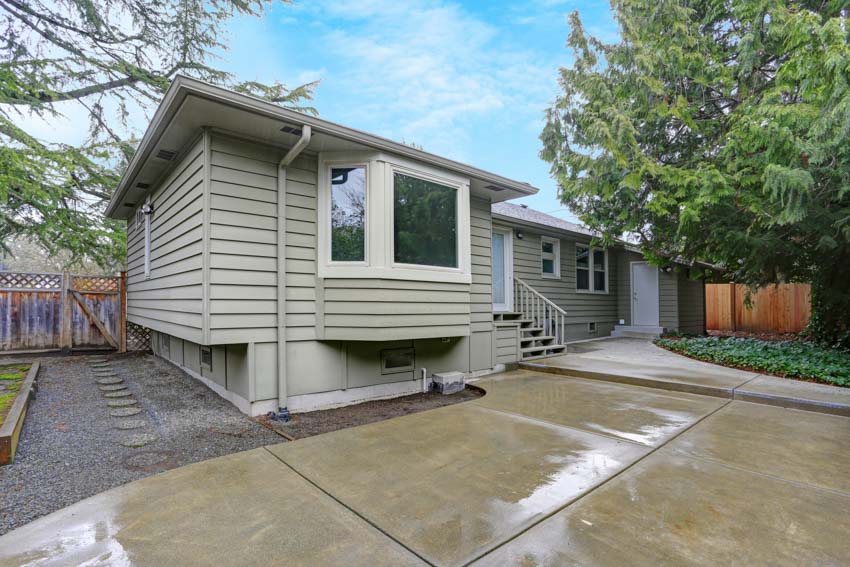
(494, 188)
(143, 185)
(591, 327)
(164, 345)
(167, 155)
(291, 130)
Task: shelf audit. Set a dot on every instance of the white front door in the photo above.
(503, 270)
(644, 294)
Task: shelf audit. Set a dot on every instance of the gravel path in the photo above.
(72, 447)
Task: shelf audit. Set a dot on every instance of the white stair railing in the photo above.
(540, 310)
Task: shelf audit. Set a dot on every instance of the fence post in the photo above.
(733, 305)
(122, 316)
(65, 333)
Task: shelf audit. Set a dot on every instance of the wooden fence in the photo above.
(46, 311)
(783, 308)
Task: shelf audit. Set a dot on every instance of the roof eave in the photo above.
(183, 86)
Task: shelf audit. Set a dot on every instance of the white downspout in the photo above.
(294, 152)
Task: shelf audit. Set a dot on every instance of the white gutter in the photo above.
(294, 152)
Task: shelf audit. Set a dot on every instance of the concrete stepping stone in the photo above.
(112, 387)
(109, 373)
(125, 412)
(131, 424)
(121, 403)
(122, 394)
(146, 459)
(101, 363)
(109, 381)
(139, 440)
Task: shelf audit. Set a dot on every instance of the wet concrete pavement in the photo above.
(543, 470)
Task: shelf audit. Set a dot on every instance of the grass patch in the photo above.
(789, 359)
(12, 377)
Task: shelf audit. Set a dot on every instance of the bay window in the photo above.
(424, 222)
(591, 269)
(348, 214)
(385, 216)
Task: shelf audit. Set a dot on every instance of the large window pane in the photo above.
(581, 256)
(348, 214)
(425, 214)
(599, 260)
(499, 288)
(548, 267)
(582, 280)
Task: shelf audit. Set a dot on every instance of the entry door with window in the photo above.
(644, 294)
(503, 271)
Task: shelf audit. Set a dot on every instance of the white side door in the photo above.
(503, 270)
(644, 294)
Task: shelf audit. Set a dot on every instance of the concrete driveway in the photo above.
(543, 470)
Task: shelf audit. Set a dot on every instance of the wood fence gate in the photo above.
(45, 311)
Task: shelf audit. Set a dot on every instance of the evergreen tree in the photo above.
(717, 131)
(110, 58)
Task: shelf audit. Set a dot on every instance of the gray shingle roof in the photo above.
(522, 213)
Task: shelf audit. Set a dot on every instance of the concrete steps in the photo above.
(637, 331)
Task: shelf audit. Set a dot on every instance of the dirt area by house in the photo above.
(777, 337)
(317, 422)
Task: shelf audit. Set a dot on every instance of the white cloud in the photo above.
(422, 69)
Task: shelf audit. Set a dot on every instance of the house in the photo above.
(290, 262)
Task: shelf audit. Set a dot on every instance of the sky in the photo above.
(468, 80)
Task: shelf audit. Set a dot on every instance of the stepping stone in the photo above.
(121, 403)
(131, 424)
(108, 373)
(108, 381)
(146, 459)
(125, 412)
(139, 440)
(113, 387)
(121, 394)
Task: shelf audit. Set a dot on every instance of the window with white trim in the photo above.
(385, 216)
(550, 257)
(143, 221)
(591, 269)
(348, 214)
(424, 222)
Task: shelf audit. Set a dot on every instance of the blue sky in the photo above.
(467, 80)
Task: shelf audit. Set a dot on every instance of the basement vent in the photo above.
(291, 130)
(494, 188)
(394, 360)
(167, 155)
(591, 327)
(206, 357)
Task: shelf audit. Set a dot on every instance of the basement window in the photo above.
(206, 358)
(396, 360)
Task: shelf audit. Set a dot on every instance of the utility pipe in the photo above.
(294, 152)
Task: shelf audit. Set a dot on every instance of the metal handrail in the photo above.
(543, 312)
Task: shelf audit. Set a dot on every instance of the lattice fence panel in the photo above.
(20, 280)
(96, 283)
(138, 337)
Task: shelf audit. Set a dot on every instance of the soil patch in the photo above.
(317, 422)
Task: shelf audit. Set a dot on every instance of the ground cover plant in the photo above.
(791, 359)
(11, 377)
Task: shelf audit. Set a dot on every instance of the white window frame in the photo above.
(380, 254)
(555, 257)
(325, 212)
(590, 270)
(147, 229)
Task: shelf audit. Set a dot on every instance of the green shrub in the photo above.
(793, 359)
